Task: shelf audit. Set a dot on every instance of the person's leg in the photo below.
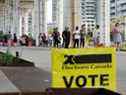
(118, 45)
(77, 43)
(64, 43)
(83, 43)
(67, 44)
(54, 43)
(74, 43)
(57, 43)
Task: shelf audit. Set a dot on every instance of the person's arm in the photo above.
(74, 32)
(63, 35)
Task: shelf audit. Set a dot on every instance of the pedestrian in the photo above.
(96, 36)
(1, 38)
(14, 39)
(50, 40)
(26, 40)
(5, 40)
(116, 33)
(22, 40)
(82, 36)
(63, 37)
(76, 37)
(9, 38)
(56, 37)
(66, 37)
(40, 39)
(44, 40)
(89, 36)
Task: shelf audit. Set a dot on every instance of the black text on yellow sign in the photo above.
(84, 68)
(103, 80)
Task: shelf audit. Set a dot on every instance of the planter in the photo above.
(9, 60)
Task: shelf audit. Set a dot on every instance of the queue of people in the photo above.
(11, 39)
(69, 39)
(78, 38)
(7, 39)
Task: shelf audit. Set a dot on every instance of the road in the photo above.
(42, 59)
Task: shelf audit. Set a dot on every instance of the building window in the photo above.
(112, 1)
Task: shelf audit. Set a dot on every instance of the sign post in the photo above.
(84, 68)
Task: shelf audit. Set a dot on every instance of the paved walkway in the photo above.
(6, 85)
(23, 79)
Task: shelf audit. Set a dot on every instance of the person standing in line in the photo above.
(116, 33)
(40, 39)
(9, 37)
(82, 36)
(14, 39)
(5, 40)
(56, 36)
(50, 39)
(96, 36)
(66, 37)
(44, 43)
(89, 36)
(76, 35)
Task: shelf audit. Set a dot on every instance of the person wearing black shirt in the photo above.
(56, 36)
(66, 37)
(15, 39)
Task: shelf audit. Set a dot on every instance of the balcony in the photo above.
(121, 2)
(123, 7)
(112, 1)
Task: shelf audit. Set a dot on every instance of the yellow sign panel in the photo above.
(84, 68)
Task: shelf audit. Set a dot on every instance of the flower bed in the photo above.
(9, 60)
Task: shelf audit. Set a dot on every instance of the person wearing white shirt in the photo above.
(76, 36)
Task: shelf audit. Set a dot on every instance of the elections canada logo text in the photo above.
(92, 58)
(83, 68)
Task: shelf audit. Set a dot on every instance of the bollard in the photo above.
(17, 54)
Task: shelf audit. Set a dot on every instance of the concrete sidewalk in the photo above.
(23, 79)
(6, 85)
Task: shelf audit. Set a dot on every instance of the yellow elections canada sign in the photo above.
(84, 68)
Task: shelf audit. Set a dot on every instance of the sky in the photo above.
(49, 11)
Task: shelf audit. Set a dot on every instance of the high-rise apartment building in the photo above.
(118, 8)
(62, 13)
(9, 16)
(74, 12)
(88, 12)
(55, 12)
(118, 14)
